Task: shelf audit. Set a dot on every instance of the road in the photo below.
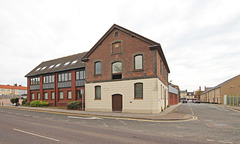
(215, 124)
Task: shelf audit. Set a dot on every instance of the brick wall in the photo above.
(130, 46)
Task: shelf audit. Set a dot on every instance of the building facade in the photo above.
(58, 81)
(17, 90)
(173, 95)
(216, 94)
(124, 72)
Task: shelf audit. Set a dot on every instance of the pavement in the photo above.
(167, 115)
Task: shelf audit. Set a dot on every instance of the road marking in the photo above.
(36, 116)
(89, 118)
(26, 115)
(122, 122)
(210, 140)
(191, 109)
(17, 113)
(36, 135)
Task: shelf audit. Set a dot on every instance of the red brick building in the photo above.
(124, 72)
(57, 81)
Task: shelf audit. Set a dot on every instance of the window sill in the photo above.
(138, 98)
(96, 75)
(97, 99)
(138, 70)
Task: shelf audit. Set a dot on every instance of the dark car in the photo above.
(184, 101)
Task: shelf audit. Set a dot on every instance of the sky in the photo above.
(200, 38)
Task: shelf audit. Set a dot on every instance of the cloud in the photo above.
(200, 39)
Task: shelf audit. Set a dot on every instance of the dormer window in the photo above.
(51, 66)
(57, 65)
(74, 62)
(43, 68)
(38, 69)
(66, 63)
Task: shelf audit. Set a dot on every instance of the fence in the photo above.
(233, 100)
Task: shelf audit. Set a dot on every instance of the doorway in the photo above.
(117, 102)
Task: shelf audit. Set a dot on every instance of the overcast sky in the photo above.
(200, 38)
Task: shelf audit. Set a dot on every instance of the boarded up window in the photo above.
(116, 48)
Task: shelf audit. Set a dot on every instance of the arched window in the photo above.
(117, 70)
(98, 68)
(138, 62)
(138, 90)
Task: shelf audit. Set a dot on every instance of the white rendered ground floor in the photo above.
(121, 93)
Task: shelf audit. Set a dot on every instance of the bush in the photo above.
(13, 100)
(39, 103)
(74, 105)
(25, 103)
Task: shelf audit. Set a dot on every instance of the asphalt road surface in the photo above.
(215, 124)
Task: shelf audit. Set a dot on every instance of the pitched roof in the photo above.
(60, 64)
(13, 87)
(154, 45)
(219, 85)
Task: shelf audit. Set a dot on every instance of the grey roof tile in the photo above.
(59, 64)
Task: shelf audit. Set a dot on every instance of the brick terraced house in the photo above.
(123, 71)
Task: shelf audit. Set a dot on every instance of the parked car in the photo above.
(184, 101)
(197, 101)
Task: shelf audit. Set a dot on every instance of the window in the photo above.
(74, 62)
(51, 66)
(80, 93)
(80, 75)
(45, 95)
(117, 70)
(35, 81)
(38, 69)
(61, 95)
(43, 68)
(97, 68)
(38, 96)
(138, 90)
(2, 89)
(48, 79)
(69, 95)
(32, 96)
(53, 96)
(97, 92)
(138, 62)
(66, 63)
(64, 77)
(58, 65)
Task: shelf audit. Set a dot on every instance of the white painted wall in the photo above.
(152, 96)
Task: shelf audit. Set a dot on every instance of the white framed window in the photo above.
(32, 96)
(53, 96)
(61, 95)
(69, 95)
(46, 95)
